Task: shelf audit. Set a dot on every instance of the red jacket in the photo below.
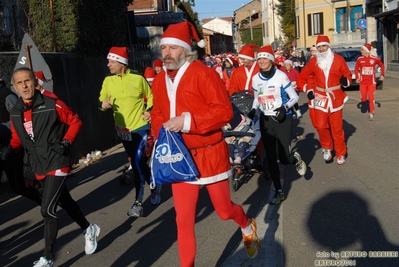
(365, 69)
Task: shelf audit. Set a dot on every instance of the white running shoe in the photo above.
(43, 262)
(371, 117)
(326, 154)
(341, 160)
(298, 114)
(300, 165)
(91, 234)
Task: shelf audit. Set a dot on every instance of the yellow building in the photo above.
(337, 19)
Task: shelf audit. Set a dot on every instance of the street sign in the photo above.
(275, 45)
(362, 24)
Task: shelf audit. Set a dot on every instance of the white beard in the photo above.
(325, 59)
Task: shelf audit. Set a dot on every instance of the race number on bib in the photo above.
(123, 133)
(267, 102)
(367, 71)
(319, 100)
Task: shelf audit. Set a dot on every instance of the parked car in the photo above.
(351, 55)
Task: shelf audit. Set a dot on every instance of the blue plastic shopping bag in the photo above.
(170, 160)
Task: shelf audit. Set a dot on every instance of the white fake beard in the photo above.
(176, 64)
(325, 59)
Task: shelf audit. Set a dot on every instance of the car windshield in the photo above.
(349, 55)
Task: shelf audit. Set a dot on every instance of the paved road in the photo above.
(333, 208)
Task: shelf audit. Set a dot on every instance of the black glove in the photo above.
(6, 152)
(344, 81)
(61, 147)
(310, 95)
(280, 113)
(251, 114)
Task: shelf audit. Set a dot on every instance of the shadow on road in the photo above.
(342, 219)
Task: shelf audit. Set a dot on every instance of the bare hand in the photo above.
(357, 80)
(146, 116)
(382, 78)
(174, 124)
(106, 104)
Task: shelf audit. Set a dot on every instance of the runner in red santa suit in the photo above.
(365, 76)
(326, 74)
(190, 98)
(230, 65)
(241, 79)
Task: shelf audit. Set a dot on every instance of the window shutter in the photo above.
(310, 24)
(321, 24)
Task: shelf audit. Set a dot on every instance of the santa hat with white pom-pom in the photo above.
(180, 34)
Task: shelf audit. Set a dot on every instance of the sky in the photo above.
(217, 8)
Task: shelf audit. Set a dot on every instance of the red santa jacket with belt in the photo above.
(200, 93)
(326, 85)
(241, 77)
(365, 69)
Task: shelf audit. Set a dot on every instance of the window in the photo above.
(356, 14)
(315, 24)
(341, 20)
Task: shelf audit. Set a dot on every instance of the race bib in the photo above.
(367, 71)
(29, 129)
(319, 100)
(123, 133)
(267, 102)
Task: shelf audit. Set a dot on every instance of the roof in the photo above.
(228, 19)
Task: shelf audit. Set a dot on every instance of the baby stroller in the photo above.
(251, 160)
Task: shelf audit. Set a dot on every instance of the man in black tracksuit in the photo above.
(14, 166)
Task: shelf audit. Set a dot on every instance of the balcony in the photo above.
(345, 39)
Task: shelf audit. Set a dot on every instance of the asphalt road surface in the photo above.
(347, 213)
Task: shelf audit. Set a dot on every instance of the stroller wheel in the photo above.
(236, 178)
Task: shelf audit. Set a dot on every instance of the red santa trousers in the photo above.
(185, 197)
(331, 132)
(367, 91)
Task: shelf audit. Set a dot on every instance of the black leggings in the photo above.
(14, 169)
(55, 191)
(277, 137)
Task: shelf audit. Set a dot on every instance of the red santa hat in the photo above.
(231, 60)
(158, 63)
(322, 40)
(119, 54)
(181, 34)
(248, 52)
(367, 47)
(149, 74)
(40, 77)
(266, 52)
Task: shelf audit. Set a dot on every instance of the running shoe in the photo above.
(136, 210)
(341, 160)
(300, 165)
(156, 195)
(43, 262)
(278, 197)
(371, 117)
(326, 154)
(91, 234)
(252, 242)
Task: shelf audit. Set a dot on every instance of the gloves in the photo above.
(280, 113)
(251, 114)
(310, 95)
(61, 147)
(6, 152)
(344, 81)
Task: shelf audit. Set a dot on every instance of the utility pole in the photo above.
(250, 25)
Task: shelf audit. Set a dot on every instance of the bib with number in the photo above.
(319, 100)
(123, 133)
(367, 71)
(268, 102)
